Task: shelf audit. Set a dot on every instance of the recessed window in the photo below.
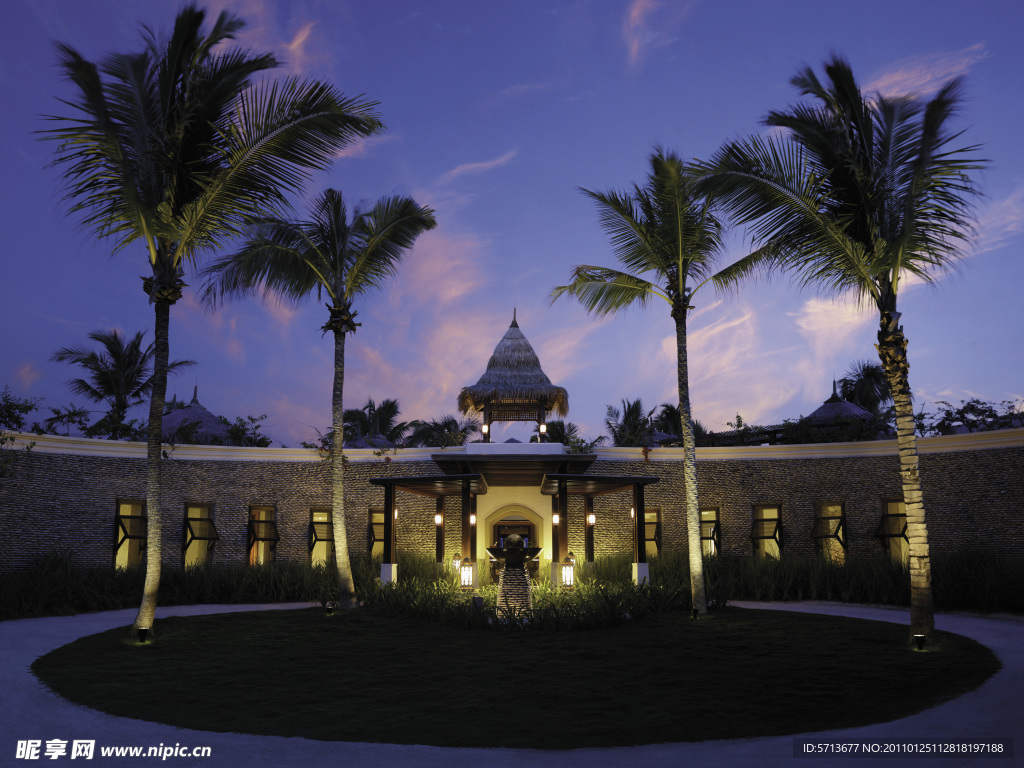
(892, 530)
(652, 532)
(709, 531)
(375, 533)
(321, 537)
(263, 536)
(830, 531)
(767, 531)
(129, 534)
(200, 534)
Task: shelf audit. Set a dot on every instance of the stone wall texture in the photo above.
(67, 501)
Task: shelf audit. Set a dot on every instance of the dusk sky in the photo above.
(497, 113)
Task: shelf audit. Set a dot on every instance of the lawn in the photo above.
(360, 676)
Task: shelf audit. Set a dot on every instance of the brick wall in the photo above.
(60, 498)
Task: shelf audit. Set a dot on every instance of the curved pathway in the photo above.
(30, 711)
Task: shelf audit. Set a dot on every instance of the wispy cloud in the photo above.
(27, 374)
(833, 330)
(478, 168)
(364, 145)
(919, 75)
(1000, 222)
(640, 31)
(730, 369)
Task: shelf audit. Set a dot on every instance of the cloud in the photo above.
(363, 145)
(478, 168)
(1000, 222)
(641, 33)
(919, 75)
(297, 57)
(27, 374)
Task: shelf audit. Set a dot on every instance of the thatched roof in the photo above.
(209, 428)
(514, 375)
(836, 408)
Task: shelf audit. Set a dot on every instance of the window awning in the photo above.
(434, 485)
(593, 485)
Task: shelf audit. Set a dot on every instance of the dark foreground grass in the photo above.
(360, 676)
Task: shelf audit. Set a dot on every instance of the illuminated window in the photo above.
(767, 531)
(263, 536)
(321, 537)
(129, 534)
(709, 532)
(375, 535)
(200, 534)
(652, 532)
(892, 530)
(829, 531)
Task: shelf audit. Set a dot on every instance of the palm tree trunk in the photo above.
(697, 592)
(892, 350)
(154, 523)
(346, 585)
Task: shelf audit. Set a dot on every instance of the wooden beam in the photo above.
(389, 524)
(639, 529)
(439, 536)
(563, 513)
(466, 509)
(556, 556)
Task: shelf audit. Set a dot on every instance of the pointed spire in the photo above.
(514, 323)
(195, 395)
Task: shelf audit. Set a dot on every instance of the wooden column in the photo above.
(389, 523)
(439, 536)
(588, 510)
(466, 509)
(639, 535)
(563, 513)
(472, 528)
(556, 555)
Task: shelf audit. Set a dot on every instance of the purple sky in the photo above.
(497, 113)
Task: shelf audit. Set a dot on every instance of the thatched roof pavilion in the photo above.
(514, 387)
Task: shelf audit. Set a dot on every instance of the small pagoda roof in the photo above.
(514, 378)
(209, 428)
(837, 408)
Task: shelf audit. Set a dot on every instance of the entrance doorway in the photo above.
(504, 528)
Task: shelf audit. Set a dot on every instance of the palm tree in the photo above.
(176, 148)
(670, 422)
(329, 254)
(866, 385)
(375, 420)
(119, 375)
(440, 433)
(630, 427)
(666, 231)
(861, 193)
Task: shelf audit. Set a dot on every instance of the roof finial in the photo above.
(195, 395)
(514, 323)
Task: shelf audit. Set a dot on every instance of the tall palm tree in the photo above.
(376, 420)
(667, 239)
(860, 194)
(332, 254)
(119, 375)
(176, 148)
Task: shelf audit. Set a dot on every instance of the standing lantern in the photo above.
(467, 575)
(568, 580)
